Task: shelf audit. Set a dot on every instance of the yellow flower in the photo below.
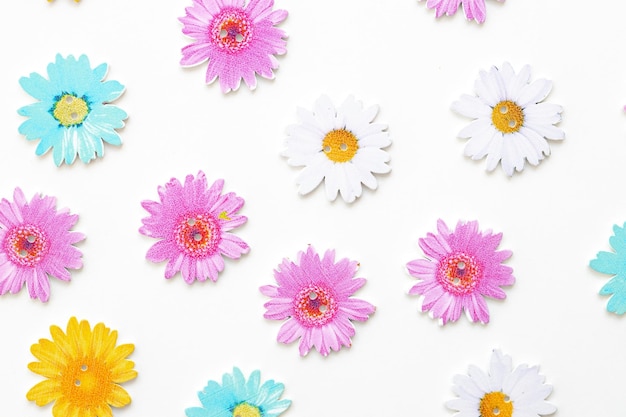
(83, 368)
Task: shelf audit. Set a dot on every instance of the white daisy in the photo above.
(341, 145)
(503, 392)
(511, 124)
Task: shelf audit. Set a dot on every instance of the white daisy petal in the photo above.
(367, 178)
(364, 130)
(476, 127)
(508, 75)
(486, 89)
(547, 131)
(325, 114)
(509, 156)
(517, 83)
(374, 159)
(347, 189)
(470, 106)
(544, 110)
(494, 152)
(311, 176)
(308, 122)
(478, 146)
(331, 183)
(536, 140)
(498, 84)
(500, 366)
(378, 140)
(479, 377)
(526, 148)
(534, 92)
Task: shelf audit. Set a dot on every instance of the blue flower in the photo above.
(614, 263)
(238, 398)
(72, 115)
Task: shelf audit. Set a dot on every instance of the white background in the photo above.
(392, 53)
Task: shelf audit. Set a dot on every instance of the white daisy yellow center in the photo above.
(340, 145)
(495, 404)
(70, 110)
(507, 116)
(198, 235)
(246, 410)
(231, 30)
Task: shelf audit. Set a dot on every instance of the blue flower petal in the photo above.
(616, 285)
(197, 412)
(608, 263)
(107, 116)
(617, 303)
(106, 92)
(252, 386)
(100, 72)
(38, 87)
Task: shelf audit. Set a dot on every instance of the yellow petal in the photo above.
(100, 334)
(119, 353)
(73, 335)
(45, 369)
(84, 339)
(104, 411)
(48, 352)
(123, 371)
(60, 408)
(61, 340)
(44, 392)
(118, 396)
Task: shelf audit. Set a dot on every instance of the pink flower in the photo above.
(314, 295)
(35, 241)
(463, 267)
(474, 9)
(192, 222)
(238, 41)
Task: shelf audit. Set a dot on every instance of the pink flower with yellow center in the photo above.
(238, 40)
(314, 295)
(464, 266)
(193, 220)
(35, 243)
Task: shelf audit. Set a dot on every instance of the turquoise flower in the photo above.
(238, 398)
(72, 115)
(614, 263)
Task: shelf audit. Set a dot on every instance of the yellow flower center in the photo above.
(340, 145)
(507, 117)
(246, 410)
(86, 381)
(70, 110)
(495, 404)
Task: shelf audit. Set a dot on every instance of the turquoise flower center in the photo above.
(26, 245)
(315, 306)
(198, 235)
(70, 110)
(459, 273)
(231, 30)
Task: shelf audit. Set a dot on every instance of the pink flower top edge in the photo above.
(474, 9)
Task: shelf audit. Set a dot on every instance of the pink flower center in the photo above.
(459, 274)
(231, 30)
(315, 306)
(26, 245)
(198, 235)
